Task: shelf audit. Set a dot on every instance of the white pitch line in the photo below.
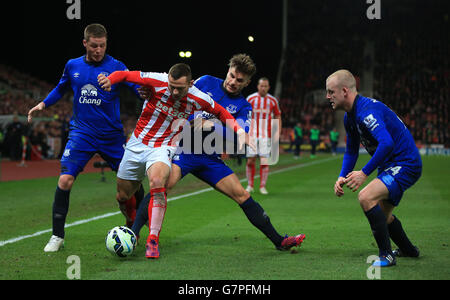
(17, 239)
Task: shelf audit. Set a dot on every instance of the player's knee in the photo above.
(156, 182)
(169, 185)
(251, 161)
(240, 195)
(365, 199)
(65, 182)
(122, 197)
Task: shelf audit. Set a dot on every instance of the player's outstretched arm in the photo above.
(40, 106)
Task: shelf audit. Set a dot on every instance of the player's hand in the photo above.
(207, 125)
(338, 190)
(145, 92)
(104, 82)
(40, 106)
(355, 179)
(200, 124)
(244, 139)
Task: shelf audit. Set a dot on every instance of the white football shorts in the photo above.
(262, 147)
(139, 157)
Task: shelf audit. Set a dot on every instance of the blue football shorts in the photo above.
(398, 178)
(81, 147)
(209, 168)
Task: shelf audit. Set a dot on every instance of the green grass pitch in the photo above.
(207, 237)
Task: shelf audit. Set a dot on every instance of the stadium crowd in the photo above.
(413, 78)
(47, 135)
(410, 65)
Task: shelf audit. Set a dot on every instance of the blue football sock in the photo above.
(400, 238)
(257, 216)
(60, 209)
(377, 221)
(141, 215)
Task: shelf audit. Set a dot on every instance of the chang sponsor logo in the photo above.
(89, 95)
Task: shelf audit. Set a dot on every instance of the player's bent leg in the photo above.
(369, 199)
(174, 177)
(125, 190)
(250, 172)
(231, 186)
(263, 175)
(132, 205)
(372, 194)
(59, 212)
(65, 182)
(158, 173)
(397, 234)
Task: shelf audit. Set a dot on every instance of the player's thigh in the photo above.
(158, 173)
(174, 177)
(372, 194)
(232, 187)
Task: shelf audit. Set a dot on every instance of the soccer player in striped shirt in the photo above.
(208, 166)
(151, 147)
(265, 111)
(394, 154)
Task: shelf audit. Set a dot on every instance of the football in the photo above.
(121, 241)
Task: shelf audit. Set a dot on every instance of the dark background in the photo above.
(38, 38)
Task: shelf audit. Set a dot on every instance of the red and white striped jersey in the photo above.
(158, 124)
(264, 109)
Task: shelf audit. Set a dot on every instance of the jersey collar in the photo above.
(94, 63)
(353, 111)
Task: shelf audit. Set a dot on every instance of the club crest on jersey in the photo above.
(232, 109)
(89, 95)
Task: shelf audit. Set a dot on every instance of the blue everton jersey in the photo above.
(95, 112)
(237, 105)
(381, 132)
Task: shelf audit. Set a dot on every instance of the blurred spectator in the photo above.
(13, 139)
(334, 138)
(314, 134)
(298, 132)
(38, 140)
